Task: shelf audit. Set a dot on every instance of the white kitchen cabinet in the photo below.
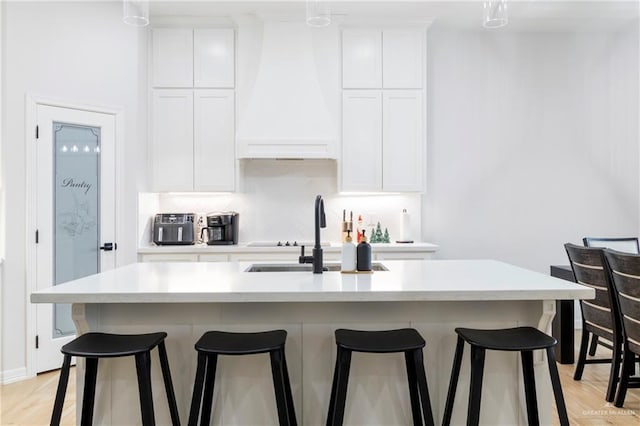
(172, 57)
(403, 147)
(213, 58)
(402, 255)
(361, 59)
(238, 254)
(213, 257)
(186, 57)
(214, 149)
(362, 140)
(169, 257)
(387, 59)
(193, 140)
(382, 141)
(403, 53)
(172, 143)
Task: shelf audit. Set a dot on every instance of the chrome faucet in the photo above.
(320, 222)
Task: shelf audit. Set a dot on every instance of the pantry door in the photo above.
(75, 213)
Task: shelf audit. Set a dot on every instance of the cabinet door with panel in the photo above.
(214, 148)
(213, 58)
(403, 136)
(172, 57)
(172, 140)
(361, 140)
(361, 59)
(403, 53)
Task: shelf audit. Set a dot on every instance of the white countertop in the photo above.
(248, 247)
(203, 282)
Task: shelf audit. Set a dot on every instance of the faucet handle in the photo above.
(303, 258)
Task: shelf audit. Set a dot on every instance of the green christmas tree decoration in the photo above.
(379, 237)
(386, 238)
(372, 238)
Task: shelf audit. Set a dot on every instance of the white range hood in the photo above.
(289, 86)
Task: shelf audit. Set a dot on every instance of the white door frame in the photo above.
(31, 104)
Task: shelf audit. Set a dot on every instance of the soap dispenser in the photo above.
(364, 254)
(348, 254)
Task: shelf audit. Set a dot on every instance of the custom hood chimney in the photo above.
(289, 90)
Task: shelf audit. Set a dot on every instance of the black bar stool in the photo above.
(522, 339)
(92, 347)
(405, 340)
(214, 343)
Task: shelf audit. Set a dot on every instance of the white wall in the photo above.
(81, 53)
(2, 205)
(276, 202)
(532, 142)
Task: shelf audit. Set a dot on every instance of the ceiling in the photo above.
(524, 15)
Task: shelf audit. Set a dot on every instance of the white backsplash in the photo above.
(276, 202)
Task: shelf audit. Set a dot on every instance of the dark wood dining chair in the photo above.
(599, 316)
(624, 244)
(625, 276)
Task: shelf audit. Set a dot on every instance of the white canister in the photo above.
(348, 254)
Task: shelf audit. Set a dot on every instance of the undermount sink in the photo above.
(296, 267)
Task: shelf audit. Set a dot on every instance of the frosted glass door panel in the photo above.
(76, 206)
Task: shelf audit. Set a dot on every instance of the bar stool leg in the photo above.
(143, 367)
(422, 385)
(413, 388)
(168, 384)
(209, 383)
(557, 388)
(475, 388)
(340, 383)
(196, 398)
(62, 390)
(277, 371)
(530, 387)
(287, 388)
(89, 395)
(453, 383)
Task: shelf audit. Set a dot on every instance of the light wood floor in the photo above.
(30, 402)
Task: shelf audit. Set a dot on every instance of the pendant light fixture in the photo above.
(135, 12)
(318, 14)
(495, 14)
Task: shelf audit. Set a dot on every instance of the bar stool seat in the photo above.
(214, 343)
(406, 340)
(521, 339)
(92, 347)
(386, 341)
(508, 339)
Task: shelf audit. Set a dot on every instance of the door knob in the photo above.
(109, 246)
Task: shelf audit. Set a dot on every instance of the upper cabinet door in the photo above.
(403, 149)
(213, 58)
(214, 148)
(361, 140)
(403, 53)
(361, 59)
(172, 143)
(172, 57)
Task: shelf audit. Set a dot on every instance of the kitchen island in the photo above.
(434, 296)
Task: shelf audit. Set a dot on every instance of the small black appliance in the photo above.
(171, 229)
(222, 228)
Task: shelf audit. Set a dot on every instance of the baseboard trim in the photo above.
(15, 375)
